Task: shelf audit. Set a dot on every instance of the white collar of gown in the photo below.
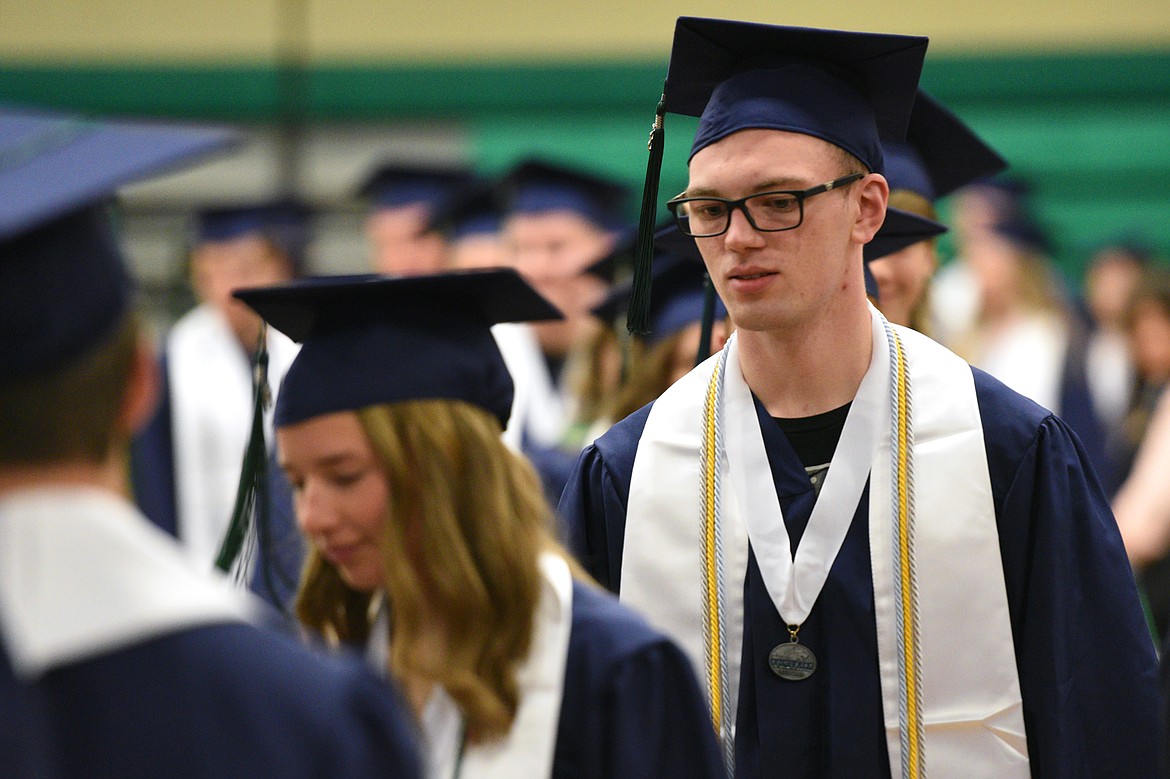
(83, 573)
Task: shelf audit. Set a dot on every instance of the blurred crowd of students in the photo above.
(1096, 350)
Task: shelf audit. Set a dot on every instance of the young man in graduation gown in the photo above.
(959, 600)
(135, 663)
(196, 440)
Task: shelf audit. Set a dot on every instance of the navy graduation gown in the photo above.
(226, 700)
(152, 461)
(25, 739)
(631, 706)
(1085, 662)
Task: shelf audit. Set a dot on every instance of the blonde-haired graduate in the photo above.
(432, 545)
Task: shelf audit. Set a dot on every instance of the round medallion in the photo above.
(792, 661)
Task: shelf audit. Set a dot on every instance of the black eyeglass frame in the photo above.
(800, 194)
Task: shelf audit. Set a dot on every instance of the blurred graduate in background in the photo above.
(187, 460)
(939, 155)
(668, 351)
(401, 198)
(559, 229)
(470, 222)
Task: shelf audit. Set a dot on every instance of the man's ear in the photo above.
(141, 397)
(874, 195)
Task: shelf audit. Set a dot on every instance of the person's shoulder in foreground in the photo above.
(226, 700)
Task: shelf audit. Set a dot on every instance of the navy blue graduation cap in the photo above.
(473, 209)
(372, 339)
(285, 222)
(843, 87)
(899, 230)
(940, 153)
(537, 186)
(680, 286)
(63, 283)
(847, 88)
(393, 185)
(1025, 233)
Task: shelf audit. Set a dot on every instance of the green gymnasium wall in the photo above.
(1091, 131)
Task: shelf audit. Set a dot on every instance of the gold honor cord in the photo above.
(710, 573)
(711, 447)
(910, 715)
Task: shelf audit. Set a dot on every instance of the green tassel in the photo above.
(708, 322)
(639, 312)
(252, 492)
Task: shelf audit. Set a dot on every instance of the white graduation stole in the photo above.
(964, 681)
(528, 748)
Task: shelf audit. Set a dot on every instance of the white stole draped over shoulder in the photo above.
(210, 379)
(528, 748)
(970, 694)
(538, 410)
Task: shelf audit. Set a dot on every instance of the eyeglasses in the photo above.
(768, 212)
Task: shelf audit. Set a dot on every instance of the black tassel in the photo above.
(708, 323)
(252, 493)
(639, 312)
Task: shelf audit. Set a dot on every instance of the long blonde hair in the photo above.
(473, 515)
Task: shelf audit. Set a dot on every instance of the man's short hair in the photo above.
(69, 413)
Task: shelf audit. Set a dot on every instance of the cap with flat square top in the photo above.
(537, 186)
(849, 89)
(844, 87)
(899, 230)
(63, 282)
(54, 163)
(284, 221)
(371, 339)
(940, 153)
(400, 184)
